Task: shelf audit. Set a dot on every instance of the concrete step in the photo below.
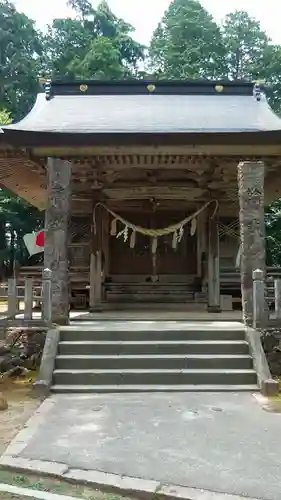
(152, 297)
(90, 389)
(153, 347)
(155, 333)
(154, 377)
(152, 361)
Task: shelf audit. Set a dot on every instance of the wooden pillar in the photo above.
(106, 243)
(56, 235)
(96, 265)
(201, 223)
(213, 266)
(252, 230)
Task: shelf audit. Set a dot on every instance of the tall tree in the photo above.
(20, 48)
(187, 43)
(82, 7)
(245, 45)
(96, 44)
(251, 56)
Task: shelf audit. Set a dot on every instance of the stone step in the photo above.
(149, 287)
(154, 377)
(151, 297)
(153, 347)
(91, 389)
(76, 333)
(179, 361)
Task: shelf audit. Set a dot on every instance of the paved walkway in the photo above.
(218, 442)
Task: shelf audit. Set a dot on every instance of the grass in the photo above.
(9, 496)
(52, 485)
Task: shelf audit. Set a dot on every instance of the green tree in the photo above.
(20, 48)
(272, 64)
(82, 7)
(246, 45)
(273, 233)
(17, 218)
(251, 56)
(96, 44)
(187, 43)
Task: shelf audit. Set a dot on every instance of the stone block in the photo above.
(269, 387)
(226, 303)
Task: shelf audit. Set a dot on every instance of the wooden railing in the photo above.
(265, 293)
(29, 294)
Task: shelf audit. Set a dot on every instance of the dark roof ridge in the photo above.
(150, 86)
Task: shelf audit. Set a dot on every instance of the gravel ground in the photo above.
(21, 407)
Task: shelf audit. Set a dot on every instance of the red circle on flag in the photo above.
(40, 239)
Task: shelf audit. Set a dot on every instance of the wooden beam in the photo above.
(254, 150)
(57, 218)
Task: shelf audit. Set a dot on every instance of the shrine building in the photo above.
(140, 187)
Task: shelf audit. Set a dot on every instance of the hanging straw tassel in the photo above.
(175, 240)
(193, 227)
(113, 230)
(154, 245)
(133, 240)
(181, 234)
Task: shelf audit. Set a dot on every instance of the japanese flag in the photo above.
(34, 242)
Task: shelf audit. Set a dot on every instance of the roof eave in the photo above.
(29, 139)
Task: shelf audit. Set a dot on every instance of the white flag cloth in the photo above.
(238, 258)
(34, 242)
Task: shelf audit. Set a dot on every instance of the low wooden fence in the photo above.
(266, 300)
(29, 294)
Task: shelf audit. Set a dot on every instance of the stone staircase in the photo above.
(150, 292)
(153, 356)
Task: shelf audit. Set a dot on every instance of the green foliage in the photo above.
(81, 7)
(94, 45)
(17, 218)
(273, 233)
(187, 43)
(245, 44)
(20, 48)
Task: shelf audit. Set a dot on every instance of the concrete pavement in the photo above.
(223, 443)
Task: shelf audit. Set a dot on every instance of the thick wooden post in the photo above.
(56, 235)
(213, 267)
(12, 298)
(96, 264)
(28, 298)
(252, 230)
(105, 247)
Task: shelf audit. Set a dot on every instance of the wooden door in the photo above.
(183, 259)
(125, 260)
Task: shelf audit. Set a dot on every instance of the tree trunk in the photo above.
(252, 230)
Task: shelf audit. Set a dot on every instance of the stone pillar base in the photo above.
(214, 309)
(96, 309)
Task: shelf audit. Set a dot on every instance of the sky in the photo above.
(144, 15)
